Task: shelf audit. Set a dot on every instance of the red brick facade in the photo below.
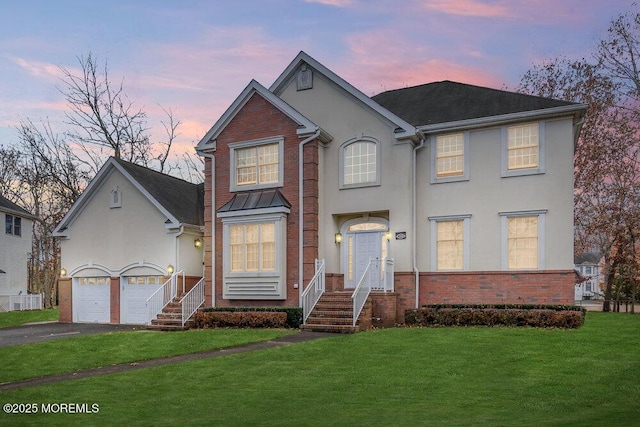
(259, 119)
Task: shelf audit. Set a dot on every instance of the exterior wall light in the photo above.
(197, 243)
(63, 272)
(170, 269)
(338, 237)
(388, 235)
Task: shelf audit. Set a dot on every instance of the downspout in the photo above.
(414, 219)
(213, 226)
(301, 213)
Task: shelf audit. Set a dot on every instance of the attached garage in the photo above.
(134, 293)
(91, 299)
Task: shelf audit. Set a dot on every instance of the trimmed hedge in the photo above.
(293, 314)
(240, 319)
(498, 315)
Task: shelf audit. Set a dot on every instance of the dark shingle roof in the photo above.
(447, 101)
(258, 199)
(184, 200)
(587, 258)
(6, 205)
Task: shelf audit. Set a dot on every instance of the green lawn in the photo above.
(17, 318)
(419, 376)
(72, 354)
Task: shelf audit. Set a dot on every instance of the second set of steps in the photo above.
(334, 313)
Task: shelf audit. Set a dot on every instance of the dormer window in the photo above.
(115, 198)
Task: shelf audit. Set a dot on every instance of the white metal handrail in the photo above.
(313, 291)
(192, 301)
(163, 296)
(370, 278)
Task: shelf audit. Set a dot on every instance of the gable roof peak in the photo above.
(305, 126)
(405, 130)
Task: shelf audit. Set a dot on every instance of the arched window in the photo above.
(360, 162)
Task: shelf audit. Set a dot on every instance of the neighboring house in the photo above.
(588, 266)
(15, 250)
(469, 190)
(123, 237)
(439, 193)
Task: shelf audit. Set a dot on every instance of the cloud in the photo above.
(335, 3)
(400, 63)
(474, 8)
(38, 68)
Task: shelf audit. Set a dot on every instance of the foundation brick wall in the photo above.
(384, 309)
(498, 287)
(259, 119)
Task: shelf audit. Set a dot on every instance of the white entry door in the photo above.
(361, 247)
(134, 291)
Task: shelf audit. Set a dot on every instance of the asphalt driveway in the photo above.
(37, 332)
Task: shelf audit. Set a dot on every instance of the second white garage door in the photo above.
(134, 293)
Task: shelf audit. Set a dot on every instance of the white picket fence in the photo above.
(20, 302)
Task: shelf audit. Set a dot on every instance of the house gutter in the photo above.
(414, 218)
(213, 226)
(301, 145)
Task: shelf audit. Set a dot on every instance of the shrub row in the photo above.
(240, 319)
(536, 317)
(293, 314)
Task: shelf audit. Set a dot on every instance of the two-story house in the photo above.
(588, 267)
(15, 250)
(439, 193)
(468, 190)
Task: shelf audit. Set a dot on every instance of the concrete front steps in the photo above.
(170, 319)
(334, 313)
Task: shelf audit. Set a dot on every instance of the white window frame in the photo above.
(233, 185)
(435, 179)
(540, 169)
(434, 220)
(10, 221)
(504, 220)
(341, 162)
(243, 284)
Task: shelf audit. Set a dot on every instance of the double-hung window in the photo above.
(13, 225)
(523, 149)
(450, 243)
(523, 240)
(449, 158)
(360, 163)
(252, 247)
(256, 164)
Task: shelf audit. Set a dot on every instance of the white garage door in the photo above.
(134, 293)
(91, 300)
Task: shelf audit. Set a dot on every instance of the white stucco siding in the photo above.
(486, 194)
(345, 120)
(118, 237)
(14, 255)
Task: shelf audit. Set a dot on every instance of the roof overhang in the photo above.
(575, 110)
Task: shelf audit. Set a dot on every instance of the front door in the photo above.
(361, 246)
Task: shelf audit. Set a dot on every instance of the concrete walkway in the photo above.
(124, 367)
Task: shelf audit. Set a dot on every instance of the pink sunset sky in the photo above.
(195, 56)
